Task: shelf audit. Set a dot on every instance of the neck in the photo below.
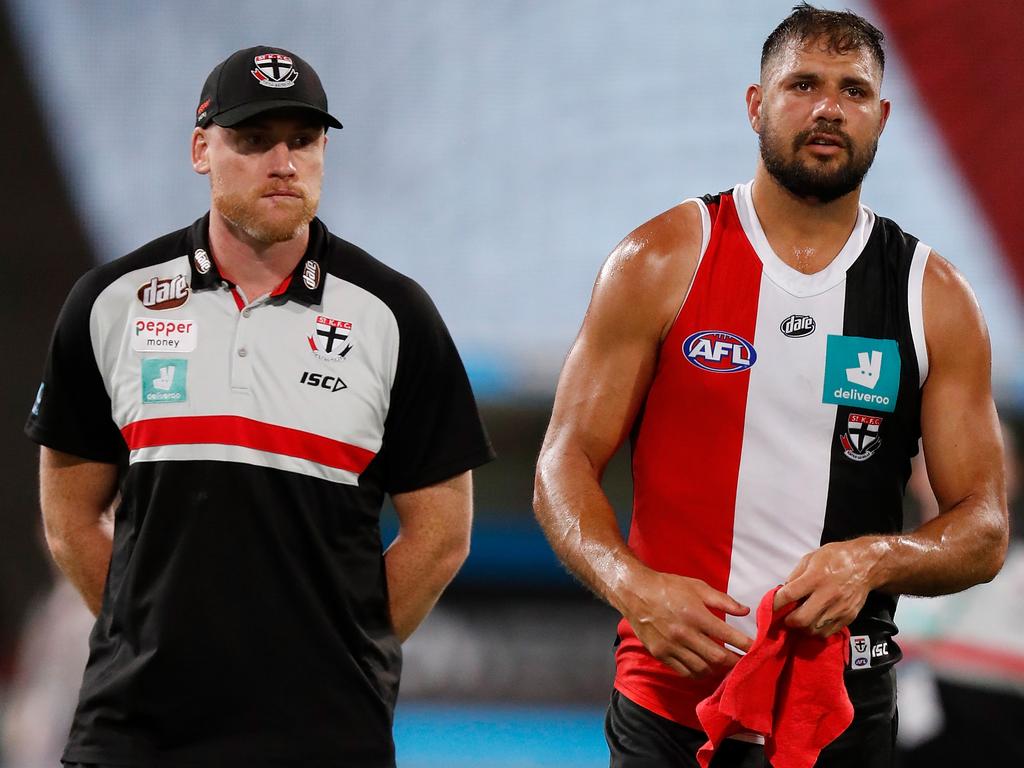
(255, 267)
(805, 233)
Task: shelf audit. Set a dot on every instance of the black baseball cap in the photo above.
(259, 79)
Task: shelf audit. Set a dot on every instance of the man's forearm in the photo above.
(418, 570)
(84, 558)
(591, 544)
(953, 551)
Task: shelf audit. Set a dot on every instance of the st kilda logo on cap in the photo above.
(164, 292)
(274, 70)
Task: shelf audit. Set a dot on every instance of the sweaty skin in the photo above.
(610, 367)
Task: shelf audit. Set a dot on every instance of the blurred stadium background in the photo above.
(496, 152)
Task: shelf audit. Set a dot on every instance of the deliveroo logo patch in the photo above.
(163, 381)
(862, 372)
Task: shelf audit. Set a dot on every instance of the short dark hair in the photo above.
(842, 31)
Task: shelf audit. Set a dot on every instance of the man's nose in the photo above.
(829, 108)
(281, 164)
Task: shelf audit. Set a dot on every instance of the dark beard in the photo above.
(805, 181)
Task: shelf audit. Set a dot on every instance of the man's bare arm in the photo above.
(76, 496)
(966, 543)
(431, 546)
(604, 382)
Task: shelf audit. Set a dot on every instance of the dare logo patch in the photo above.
(164, 292)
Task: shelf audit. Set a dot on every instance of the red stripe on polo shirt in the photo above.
(247, 433)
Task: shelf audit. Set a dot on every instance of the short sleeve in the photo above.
(72, 411)
(433, 429)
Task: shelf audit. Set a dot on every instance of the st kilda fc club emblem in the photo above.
(329, 340)
(861, 439)
(274, 70)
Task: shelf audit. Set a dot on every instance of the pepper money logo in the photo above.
(862, 372)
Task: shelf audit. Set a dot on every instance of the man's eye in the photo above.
(802, 86)
(855, 92)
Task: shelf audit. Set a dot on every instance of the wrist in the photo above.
(624, 590)
(879, 554)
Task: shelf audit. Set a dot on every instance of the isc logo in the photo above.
(719, 351)
(796, 326)
(330, 383)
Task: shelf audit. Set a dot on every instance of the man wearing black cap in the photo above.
(242, 394)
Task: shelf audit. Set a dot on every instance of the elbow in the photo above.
(453, 555)
(56, 542)
(997, 542)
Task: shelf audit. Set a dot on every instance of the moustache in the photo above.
(826, 129)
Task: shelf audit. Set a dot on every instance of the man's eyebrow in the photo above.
(860, 82)
(813, 77)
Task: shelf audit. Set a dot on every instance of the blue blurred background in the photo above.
(496, 152)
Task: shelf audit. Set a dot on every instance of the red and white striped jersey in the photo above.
(783, 414)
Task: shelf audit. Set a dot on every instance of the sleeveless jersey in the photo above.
(783, 415)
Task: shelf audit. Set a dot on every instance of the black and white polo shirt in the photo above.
(245, 619)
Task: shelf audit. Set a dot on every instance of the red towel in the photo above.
(789, 688)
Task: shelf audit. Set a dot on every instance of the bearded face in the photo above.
(262, 212)
(820, 177)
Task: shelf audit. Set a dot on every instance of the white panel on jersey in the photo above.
(272, 363)
(915, 304)
(784, 464)
(798, 283)
(239, 455)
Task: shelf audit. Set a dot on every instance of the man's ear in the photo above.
(200, 151)
(754, 96)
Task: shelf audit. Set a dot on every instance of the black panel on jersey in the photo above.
(866, 497)
(73, 413)
(430, 434)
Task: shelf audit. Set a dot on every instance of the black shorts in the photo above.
(638, 738)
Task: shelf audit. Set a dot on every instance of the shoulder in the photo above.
(656, 261)
(952, 316)
(93, 283)
(658, 245)
(405, 297)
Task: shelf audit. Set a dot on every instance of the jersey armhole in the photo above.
(705, 238)
(915, 305)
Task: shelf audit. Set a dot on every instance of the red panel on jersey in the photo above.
(686, 455)
(246, 433)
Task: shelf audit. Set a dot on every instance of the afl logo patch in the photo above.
(719, 351)
(797, 326)
(203, 263)
(311, 275)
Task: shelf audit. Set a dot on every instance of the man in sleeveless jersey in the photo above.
(244, 392)
(775, 353)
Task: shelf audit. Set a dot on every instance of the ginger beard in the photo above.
(825, 179)
(265, 220)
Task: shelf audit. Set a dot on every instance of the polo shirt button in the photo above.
(242, 352)
(246, 312)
